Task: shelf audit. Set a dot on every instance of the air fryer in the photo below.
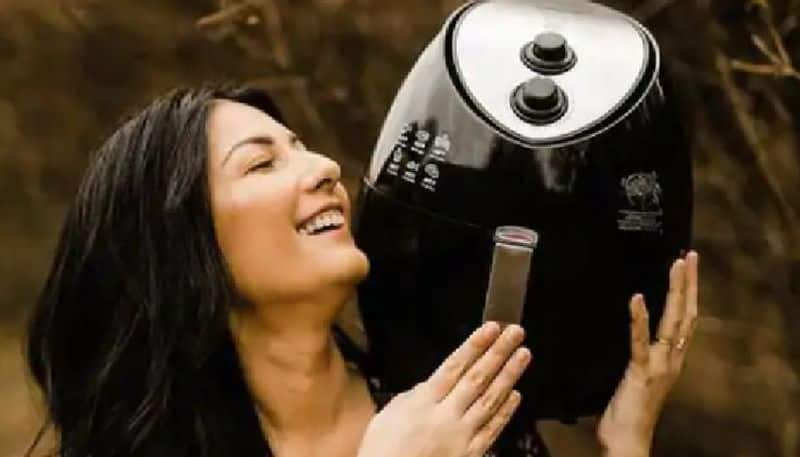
(549, 117)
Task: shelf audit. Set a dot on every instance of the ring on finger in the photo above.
(681, 344)
(664, 340)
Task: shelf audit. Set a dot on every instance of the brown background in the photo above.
(69, 69)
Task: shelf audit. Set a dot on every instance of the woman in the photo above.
(189, 310)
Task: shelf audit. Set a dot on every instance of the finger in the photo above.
(668, 328)
(488, 404)
(690, 316)
(442, 381)
(477, 378)
(487, 435)
(640, 332)
(674, 306)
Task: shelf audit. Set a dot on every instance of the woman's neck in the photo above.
(298, 377)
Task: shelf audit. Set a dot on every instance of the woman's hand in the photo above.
(461, 409)
(626, 428)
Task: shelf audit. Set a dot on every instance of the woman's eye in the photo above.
(263, 165)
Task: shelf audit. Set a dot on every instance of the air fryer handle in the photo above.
(508, 278)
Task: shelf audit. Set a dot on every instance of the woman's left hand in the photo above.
(627, 426)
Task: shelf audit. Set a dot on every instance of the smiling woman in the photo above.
(190, 307)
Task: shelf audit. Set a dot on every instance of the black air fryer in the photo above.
(532, 168)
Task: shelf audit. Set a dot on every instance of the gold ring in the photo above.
(662, 340)
(681, 344)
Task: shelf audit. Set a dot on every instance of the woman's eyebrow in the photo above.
(265, 140)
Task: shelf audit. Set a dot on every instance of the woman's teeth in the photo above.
(329, 219)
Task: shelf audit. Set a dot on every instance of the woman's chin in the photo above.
(354, 266)
(342, 266)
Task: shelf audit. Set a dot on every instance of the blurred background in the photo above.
(70, 69)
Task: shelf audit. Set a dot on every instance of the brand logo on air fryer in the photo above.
(642, 195)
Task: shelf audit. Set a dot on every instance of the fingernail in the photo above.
(510, 335)
(523, 355)
(490, 329)
(637, 305)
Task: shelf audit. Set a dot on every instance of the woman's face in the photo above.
(281, 216)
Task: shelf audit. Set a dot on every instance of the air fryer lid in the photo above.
(574, 61)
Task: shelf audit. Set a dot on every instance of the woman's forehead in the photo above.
(230, 122)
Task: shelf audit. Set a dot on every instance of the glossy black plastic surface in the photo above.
(612, 209)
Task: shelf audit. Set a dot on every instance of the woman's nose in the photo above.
(324, 174)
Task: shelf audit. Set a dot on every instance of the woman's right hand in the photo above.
(461, 409)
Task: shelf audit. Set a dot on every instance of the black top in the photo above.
(518, 440)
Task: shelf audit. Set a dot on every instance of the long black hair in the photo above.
(129, 341)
